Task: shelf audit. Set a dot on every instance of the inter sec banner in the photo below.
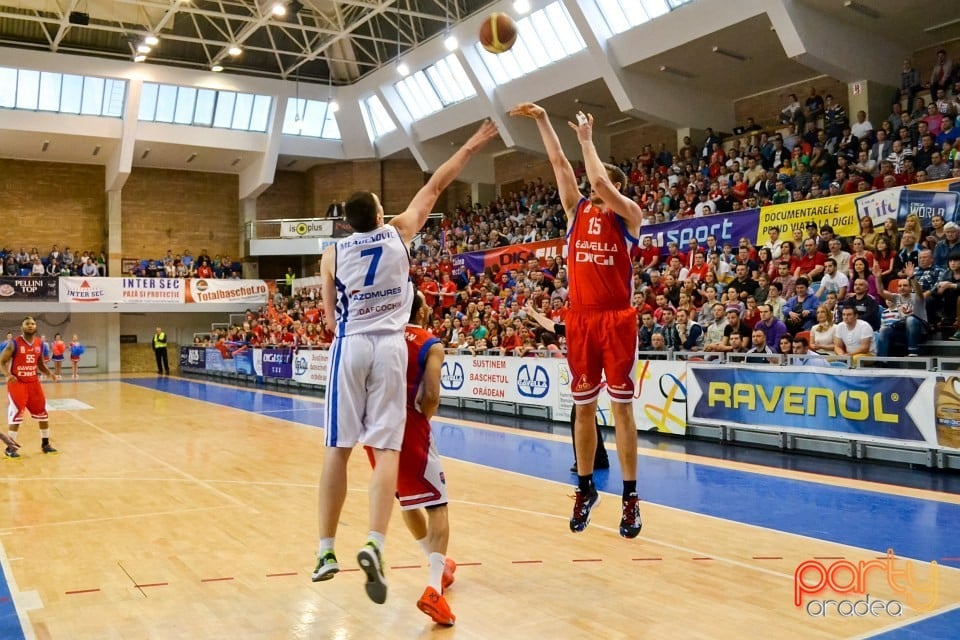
(82, 290)
(726, 227)
(509, 257)
(892, 406)
(29, 288)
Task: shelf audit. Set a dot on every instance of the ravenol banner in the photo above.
(890, 406)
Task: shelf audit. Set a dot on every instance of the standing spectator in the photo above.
(910, 321)
(160, 351)
(288, 279)
(940, 74)
(909, 82)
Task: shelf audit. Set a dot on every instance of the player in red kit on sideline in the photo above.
(20, 361)
(601, 325)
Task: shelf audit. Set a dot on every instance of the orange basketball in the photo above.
(498, 33)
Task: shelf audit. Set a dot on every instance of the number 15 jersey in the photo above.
(599, 259)
(374, 294)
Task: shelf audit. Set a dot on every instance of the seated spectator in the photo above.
(799, 312)
(802, 355)
(862, 128)
(810, 264)
(759, 346)
(864, 304)
(89, 269)
(690, 333)
(906, 322)
(772, 328)
(822, 333)
(833, 279)
(853, 337)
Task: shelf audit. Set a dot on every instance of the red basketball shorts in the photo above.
(601, 345)
(420, 478)
(26, 396)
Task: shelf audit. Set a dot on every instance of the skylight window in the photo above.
(543, 37)
(375, 118)
(621, 15)
(204, 107)
(439, 85)
(311, 118)
(61, 93)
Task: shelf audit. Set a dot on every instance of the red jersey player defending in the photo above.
(20, 360)
(421, 485)
(601, 325)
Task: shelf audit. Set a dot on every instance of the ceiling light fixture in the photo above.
(139, 57)
(403, 69)
(942, 25)
(451, 43)
(217, 68)
(521, 6)
(278, 9)
(234, 51)
(143, 48)
(151, 40)
(862, 9)
(680, 73)
(730, 54)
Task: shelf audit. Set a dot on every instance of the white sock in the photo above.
(379, 538)
(326, 544)
(13, 435)
(44, 433)
(423, 545)
(437, 561)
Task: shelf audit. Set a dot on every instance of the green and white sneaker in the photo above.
(327, 567)
(372, 565)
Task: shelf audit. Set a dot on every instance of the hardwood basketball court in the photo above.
(184, 509)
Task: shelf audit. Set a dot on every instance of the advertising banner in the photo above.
(660, 398)
(200, 290)
(195, 357)
(858, 403)
(243, 361)
(519, 380)
(509, 257)
(306, 229)
(214, 359)
(311, 366)
(90, 290)
(277, 363)
(29, 288)
(728, 227)
(843, 213)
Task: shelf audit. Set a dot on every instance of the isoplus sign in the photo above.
(814, 581)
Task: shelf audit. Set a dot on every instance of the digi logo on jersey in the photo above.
(534, 385)
(300, 365)
(451, 376)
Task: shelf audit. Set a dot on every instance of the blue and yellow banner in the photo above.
(791, 398)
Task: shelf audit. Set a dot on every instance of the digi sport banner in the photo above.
(509, 257)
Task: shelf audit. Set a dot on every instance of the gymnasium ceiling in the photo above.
(338, 41)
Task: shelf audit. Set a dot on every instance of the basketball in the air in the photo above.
(498, 33)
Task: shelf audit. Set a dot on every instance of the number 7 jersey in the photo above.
(599, 259)
(372, 276)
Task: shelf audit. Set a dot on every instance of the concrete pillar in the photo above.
(872, 97)
(113, 342)
(248, 230)
(114, 238)
(482, 192)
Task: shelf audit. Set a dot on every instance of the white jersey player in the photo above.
(364, 287)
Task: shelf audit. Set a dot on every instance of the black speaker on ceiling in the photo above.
(76, 17)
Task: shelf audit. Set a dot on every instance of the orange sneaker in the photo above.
(449, 567)
(434, 605)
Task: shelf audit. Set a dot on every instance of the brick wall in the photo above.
(522, 165)
(630, 143)
(401, 179)
(285, 198)
(47, 203)
(765, 108)
(165, 209)
(457, 193)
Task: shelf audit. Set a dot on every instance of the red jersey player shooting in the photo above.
(20, 361)
(602, 231)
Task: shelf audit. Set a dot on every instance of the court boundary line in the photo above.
(26, 626)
